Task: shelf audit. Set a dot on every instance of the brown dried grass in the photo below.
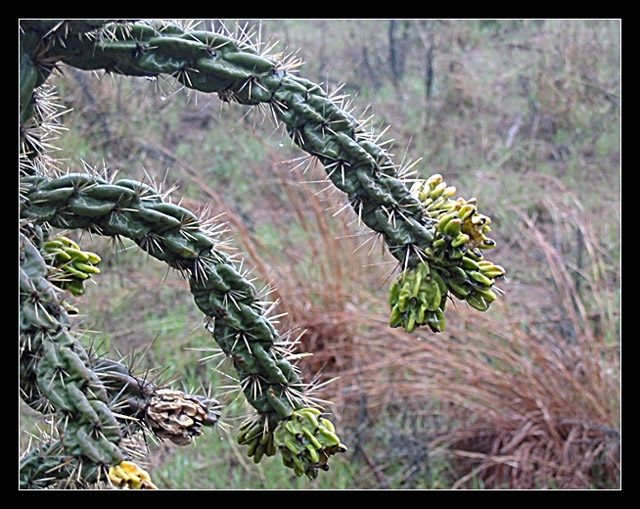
(526, 412)
(530, 389)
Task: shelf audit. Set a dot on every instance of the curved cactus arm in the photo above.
(232, 306)
(355, 163)
(214, 63)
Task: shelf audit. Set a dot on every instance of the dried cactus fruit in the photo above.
(177, 416)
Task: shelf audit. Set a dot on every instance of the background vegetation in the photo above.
(523, 115)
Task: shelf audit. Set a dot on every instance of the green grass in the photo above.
(216, 462)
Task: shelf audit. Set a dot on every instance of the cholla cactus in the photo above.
(286, 419)
(100, 408)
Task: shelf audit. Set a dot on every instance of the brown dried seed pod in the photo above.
(177, 416)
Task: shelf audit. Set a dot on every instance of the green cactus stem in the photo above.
(354, 162)
(55, 369)
(174, 235)
(49, 465)
(438, 253)
(213, 63)
(98, 404)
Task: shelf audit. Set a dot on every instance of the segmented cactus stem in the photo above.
(214, 63)
(173, 234)
(353, 160)
(56, 368)
(98, 404)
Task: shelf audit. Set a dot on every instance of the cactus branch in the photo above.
(214, 63)
(173, 234)
(98, 404)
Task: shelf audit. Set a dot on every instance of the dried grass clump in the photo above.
(521, 411)
(529, 413)
(531, 388)
(528, 393)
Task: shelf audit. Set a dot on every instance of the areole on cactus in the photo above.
(436, 240)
